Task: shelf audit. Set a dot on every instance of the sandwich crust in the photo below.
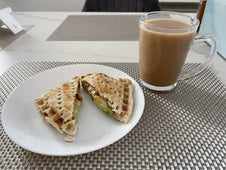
(57, 107)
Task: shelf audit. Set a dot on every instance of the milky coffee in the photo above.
(164, 44)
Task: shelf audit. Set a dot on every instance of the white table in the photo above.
(32, 46)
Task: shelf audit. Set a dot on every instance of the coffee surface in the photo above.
(164, 45)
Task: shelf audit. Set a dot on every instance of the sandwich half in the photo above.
(59, 107)
(113, 96)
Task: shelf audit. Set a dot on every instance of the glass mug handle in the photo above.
(209, 39)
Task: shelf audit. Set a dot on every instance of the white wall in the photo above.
(43, 5)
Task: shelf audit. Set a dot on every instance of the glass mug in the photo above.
(165, 39)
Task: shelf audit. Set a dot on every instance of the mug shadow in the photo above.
(204, 101)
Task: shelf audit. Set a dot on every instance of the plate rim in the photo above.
(71, 153)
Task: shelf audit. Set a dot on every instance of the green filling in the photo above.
(76, 109)
(75, 112)
(101, 103)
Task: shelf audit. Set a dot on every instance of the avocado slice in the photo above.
(75, 112)
(102, 104)
(78, 102)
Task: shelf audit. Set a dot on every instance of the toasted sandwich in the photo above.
(59, 107)
(113, 96)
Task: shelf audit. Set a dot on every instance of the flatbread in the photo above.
(116, 94)
(59, 105)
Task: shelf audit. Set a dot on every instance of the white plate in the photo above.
(25, 127)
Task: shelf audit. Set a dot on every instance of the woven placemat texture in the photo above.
(183, 129)
(7, 37)
(97, 28)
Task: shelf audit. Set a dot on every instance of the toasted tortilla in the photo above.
(113, 96)
(59, 107)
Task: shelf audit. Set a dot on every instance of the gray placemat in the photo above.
(97, 28)
(183, 129)
(7, 37)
